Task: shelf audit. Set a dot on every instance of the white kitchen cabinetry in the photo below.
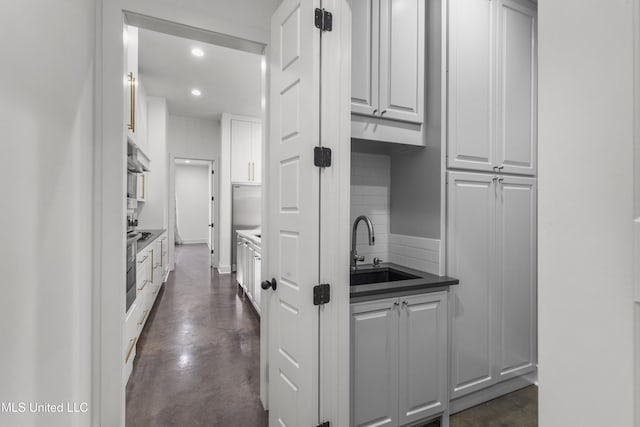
(492, 103)
(388, 59)
(149, 279)
(388, 70)
(141, 187)
(248, 268)
(491, 250)
(399, 360)
(136, 106)
(246, 149)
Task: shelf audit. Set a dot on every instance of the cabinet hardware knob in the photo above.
(375, 111)
(395, 304)
(501, 167)
(382, 113)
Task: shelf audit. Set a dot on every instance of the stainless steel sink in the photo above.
(379, 275)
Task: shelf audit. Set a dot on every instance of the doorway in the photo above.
(194, 202)
(183, 88)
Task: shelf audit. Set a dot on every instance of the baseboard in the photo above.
(224, 269)
(490, 393)
(193, 242)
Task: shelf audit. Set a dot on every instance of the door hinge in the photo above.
(324, 424)
(321, 294)
(324, 19)
(212, 198)
(210, 225)
(322, 157)
(211, 250)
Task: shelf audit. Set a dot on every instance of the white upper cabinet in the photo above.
(246, 150)
(364, 60)
(402, 60)
(136, 105)
(388, 59)
(470, 69)
(516, 100)
(492, 93)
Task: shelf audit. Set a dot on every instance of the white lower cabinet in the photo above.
(491, 249)
(248, 268)
(399, 360)
(150, 272)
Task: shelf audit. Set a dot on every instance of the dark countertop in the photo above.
(146, 242)
(426, 282)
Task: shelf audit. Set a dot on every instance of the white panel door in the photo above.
(402, 59)
(516, 295)
(470, 144)
(364, 59)
(516, 100)
(422, 357)
(470, 258)
(240, 150)
(374, 363)
(293, 215)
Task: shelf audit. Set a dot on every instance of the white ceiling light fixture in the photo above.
(187, 161)
(196, 92)
(197, 52)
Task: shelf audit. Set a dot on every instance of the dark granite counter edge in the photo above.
(426, 282)
(142, 244)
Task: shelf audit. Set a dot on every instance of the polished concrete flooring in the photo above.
(197, 361)
(517, 409)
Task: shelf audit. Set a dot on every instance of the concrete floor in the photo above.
(197, 361)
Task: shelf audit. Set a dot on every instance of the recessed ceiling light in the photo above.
(196, 51)
(187, 161)
(196, 92)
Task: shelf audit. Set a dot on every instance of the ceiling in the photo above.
(230, 80)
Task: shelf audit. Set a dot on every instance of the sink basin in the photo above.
(381, 274)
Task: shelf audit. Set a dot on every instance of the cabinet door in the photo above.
(422, 357)
(240, 262)
(402, 59)
(141, 187)
(257, 269)
(364, 61)
(240, 150)
(248, 279)
(516, 100)
(256, 152)
(470, 258)
(132, 71)
(516, 290)
(374, 363)
(470, 133)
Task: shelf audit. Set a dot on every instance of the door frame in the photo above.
(108, 394)
(213, 192)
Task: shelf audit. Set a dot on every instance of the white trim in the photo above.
(335, 215)
(224, 269)
(497, 390)
(636, 205)
(195, 242)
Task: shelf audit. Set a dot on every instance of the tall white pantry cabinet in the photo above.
(491, 197)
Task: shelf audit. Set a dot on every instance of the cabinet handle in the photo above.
(396, 304)
(132, 100)
(382, 113)
(375, 111)
(404, 303)
(143, 284)
(501, 167)
(143, 259)
(144, 317)
(131, 346)
(500, 180)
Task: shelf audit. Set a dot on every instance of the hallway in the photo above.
(198, 356)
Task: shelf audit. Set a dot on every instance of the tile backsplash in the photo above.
(370, 196)
(370, 183)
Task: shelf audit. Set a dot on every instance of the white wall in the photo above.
(192, 194)
(585, 210)
(46, 117)
(192, 138)
(153, 213)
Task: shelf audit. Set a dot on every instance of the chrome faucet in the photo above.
(372, 238)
